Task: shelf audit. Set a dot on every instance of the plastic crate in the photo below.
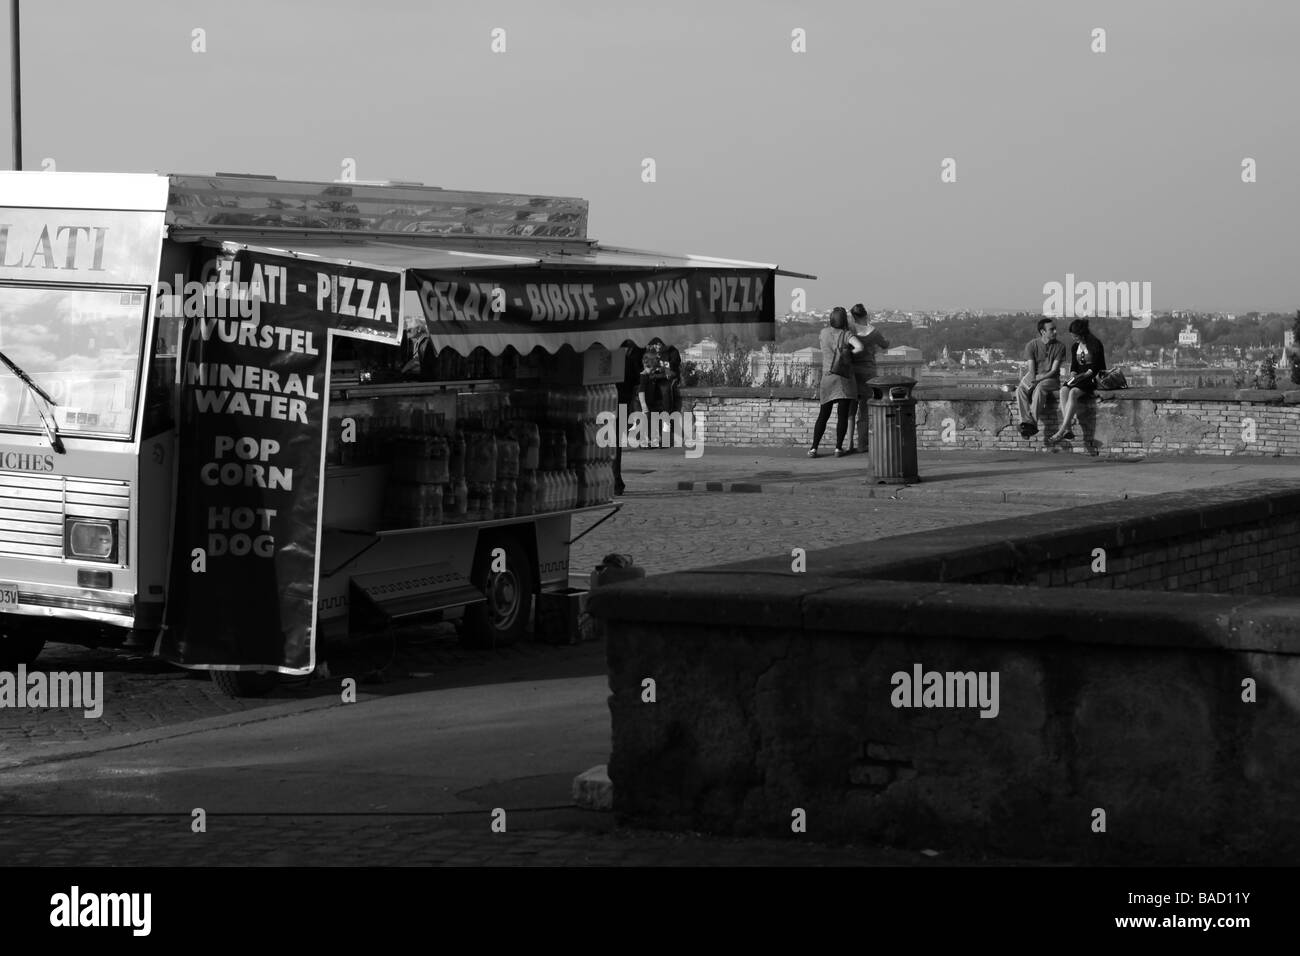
(560, 617)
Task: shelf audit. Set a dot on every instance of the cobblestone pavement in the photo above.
(677, 532)
(533, 838)
(664, 532)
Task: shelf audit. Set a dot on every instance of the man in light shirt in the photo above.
(1043, 357)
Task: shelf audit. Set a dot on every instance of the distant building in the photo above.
(703, 353)
(787, 368)
(804, 367)
(1197, 377)
(900, 360)
(979, 379)
(1189, 337)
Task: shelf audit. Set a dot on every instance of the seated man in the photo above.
(1043, 358)
(662, 386)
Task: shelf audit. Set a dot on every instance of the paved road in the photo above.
(533, 838)
(418, 778)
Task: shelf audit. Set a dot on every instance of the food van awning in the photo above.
(523, 295)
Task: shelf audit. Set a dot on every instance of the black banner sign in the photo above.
(252, 421)
(524, 309)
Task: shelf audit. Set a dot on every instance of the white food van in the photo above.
(241, 416)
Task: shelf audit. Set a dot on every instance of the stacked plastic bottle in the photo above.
(506, 491)
(576, 446)
(455, 505)
(537, 450)
(420, 475)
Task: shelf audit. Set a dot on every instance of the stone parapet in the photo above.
(1174, 714)
(1135, 421)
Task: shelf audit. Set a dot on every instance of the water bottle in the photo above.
(461, 491)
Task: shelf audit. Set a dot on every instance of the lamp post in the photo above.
(16, 87)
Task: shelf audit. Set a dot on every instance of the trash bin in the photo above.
(892, 418)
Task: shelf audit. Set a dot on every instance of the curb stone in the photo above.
(864, 488)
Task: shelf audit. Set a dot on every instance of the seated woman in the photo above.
(1087, 362)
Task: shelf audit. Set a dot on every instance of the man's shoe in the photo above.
(1027, 430)
(812, 453)
(840, 452)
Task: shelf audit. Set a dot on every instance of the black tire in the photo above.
(245, 683)
(503, 618)
(21, 641)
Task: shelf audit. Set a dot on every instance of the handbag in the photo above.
(1112, 379)
(843, 364)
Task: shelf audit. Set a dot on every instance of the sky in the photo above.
(1122, 165)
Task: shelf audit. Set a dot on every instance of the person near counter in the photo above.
(628, 394)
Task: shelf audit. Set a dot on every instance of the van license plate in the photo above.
(8, 595)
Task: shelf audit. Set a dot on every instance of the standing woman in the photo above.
(838, 391)
(1087, 362)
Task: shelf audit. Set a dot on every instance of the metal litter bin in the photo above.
(892, 411)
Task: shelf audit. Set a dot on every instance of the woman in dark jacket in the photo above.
(1087, 362)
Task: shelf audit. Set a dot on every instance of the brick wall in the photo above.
(1257, 554)
(1133, 421)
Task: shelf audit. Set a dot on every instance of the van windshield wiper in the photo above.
(50, 426)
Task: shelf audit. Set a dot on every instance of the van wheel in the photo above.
(245, 683)
(21, 642)
(503, 618)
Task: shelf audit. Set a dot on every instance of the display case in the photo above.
(454, 440)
